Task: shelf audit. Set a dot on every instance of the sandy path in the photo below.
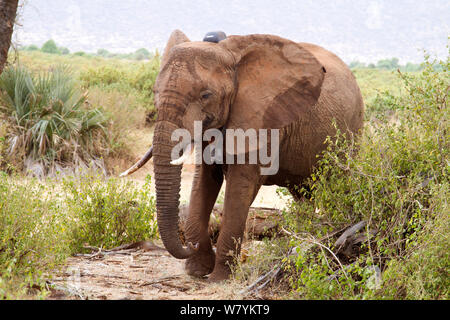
(135, 274)
(267, 195)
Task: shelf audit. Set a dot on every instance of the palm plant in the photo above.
(51, 122)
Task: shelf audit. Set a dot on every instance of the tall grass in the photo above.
(378, 88)
(129, 78)
(51, 121)
(135, 79)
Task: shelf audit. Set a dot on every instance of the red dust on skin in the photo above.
(254, 81)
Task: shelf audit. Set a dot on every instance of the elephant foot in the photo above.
(201, 264)
(221, 272)
(218, 276)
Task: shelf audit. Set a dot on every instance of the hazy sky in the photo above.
(355, 29)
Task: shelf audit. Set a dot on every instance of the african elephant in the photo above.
(253, 81)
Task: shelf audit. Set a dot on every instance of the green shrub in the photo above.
(376, 87)
(103, 77)
(124, 116)
(103, 52)
(109, 213)
(63, 50)
(34, 236)
(51, 121)
(42, 223)
(423, 272)
(411, 67)
(356, 65)
(4, 128)
(141, 54)
(386, 64)
(32, 47)
(136, 79)
(50, 47)
(133, 79)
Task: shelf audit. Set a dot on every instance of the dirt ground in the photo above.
(149, 273)
(134, 274)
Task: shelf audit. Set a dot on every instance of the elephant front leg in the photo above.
(208, 180)
(243, 183)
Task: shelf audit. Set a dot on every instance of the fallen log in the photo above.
(348, 244)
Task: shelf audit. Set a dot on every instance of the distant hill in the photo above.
(353, 29)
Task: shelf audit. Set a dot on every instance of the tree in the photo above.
(388, 64)
(8, 9)
(31, 47)
(141, 54)
(356, 64)
(63, 50)
(103, 52)
(50, 47)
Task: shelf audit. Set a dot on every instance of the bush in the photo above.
(388, 64)
(109, 213)
(42, 223)
(34, 236)
(423, 272)
(80, 53)
(63, 50)
(356, 65)
(103, 52)
(141, 54)
(50, 47)
(136, 79)
(103, 77)
(125, 115)
(51, 121)
(377, 87)
(395, 178)
(4, 128)
(32, 47)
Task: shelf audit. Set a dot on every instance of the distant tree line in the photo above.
(143, 54)
(139, 54)
(51, 47)
(386, 64)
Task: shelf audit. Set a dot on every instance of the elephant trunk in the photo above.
(167, 180)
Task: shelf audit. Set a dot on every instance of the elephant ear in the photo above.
(176, 37)
(278, 82)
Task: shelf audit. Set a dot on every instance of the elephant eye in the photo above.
(205, 95)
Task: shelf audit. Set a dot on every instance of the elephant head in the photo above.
(240, 82)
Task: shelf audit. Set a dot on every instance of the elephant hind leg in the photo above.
(201, 264)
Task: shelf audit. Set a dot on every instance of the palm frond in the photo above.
(52, 122)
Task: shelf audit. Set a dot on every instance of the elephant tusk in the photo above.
(138, 164)
(188, 149)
